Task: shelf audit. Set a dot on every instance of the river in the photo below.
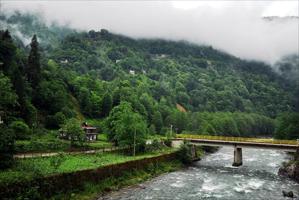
(214, 178)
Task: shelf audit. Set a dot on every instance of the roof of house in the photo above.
(93, 133)
(89, 127)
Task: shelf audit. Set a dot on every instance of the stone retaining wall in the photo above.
(67, 181)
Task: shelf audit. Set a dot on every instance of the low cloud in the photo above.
(235, 27)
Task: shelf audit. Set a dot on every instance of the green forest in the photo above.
(65, 76)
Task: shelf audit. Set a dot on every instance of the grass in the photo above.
(50, 143)
(156, 137)
(239, 139)
(99, 144)
(42, 143)
(103, 137)
(95, 122)
(27, 169)
(95, 190)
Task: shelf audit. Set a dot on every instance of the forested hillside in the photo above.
(67, 74)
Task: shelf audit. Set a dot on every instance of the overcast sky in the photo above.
(233, 26)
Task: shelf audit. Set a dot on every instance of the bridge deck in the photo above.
(285, 147)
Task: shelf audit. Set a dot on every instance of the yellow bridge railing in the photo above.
(237, 139)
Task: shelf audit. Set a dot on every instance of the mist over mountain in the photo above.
(235, 27)
(200, 78)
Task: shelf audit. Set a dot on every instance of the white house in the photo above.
(132, 72)
(64, 61)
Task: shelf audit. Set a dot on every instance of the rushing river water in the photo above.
(214, 178)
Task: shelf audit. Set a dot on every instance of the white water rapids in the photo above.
(214, 178)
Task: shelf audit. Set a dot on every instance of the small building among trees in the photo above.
(90, 132)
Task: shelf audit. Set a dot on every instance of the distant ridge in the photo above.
(272, 18)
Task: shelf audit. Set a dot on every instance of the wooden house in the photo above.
(90, 132)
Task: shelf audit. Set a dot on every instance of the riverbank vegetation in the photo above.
(130, 178)
(37, 170)
(31, 168)
(46, 186)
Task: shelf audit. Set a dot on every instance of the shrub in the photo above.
(68, 112)
(31, 193)
(156, 145)
(55, 121)
(21, 129)
(7, 144)
(167, 142)
(184, 153)
(56, 161)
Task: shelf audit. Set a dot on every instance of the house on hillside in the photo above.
(132, 72)
(90, 132)
(64, 61)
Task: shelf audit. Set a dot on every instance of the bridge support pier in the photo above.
(237, 157)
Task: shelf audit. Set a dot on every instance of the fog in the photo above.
(235, 27)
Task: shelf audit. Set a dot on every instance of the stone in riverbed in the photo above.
(291, 171)
(288, 194)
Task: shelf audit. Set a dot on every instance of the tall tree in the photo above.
(157, 121)
(126, 127)
(106, 104)
(34, 68)
(7, 51)
(8, 97)
(74, 132)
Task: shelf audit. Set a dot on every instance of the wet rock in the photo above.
(290, 170)
(289, 194)
(141, 186)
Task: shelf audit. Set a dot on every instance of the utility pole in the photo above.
(134, 147)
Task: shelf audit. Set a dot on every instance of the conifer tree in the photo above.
(157, 121)
(7, 51)
(106, 105)
(34, 69)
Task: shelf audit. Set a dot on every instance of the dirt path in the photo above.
(49, 154)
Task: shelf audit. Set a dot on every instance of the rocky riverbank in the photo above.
(291, 168)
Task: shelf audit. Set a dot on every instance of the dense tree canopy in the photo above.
(287, 126)
(95, 74)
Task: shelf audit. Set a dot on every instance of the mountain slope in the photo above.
(198, 77)
(101, 69)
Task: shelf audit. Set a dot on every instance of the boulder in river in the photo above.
(290, 170)
(289, 194)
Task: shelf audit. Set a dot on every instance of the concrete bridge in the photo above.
(237, 146)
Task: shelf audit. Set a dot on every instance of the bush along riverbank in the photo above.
(291, 168)
(92, 190)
